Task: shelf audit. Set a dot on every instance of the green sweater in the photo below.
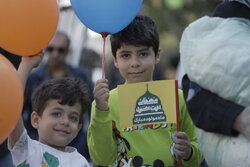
(137, 146)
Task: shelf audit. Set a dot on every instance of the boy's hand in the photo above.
(27, 64)
(101, 94)
(32, 61)
(182, 145)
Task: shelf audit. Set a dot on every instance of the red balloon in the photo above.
(27, 26)
(11, 97)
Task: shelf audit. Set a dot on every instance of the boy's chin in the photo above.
(60, 143)
(136, 80)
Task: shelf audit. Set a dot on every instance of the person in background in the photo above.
(91, 61)
(212, 97)
(209, 111)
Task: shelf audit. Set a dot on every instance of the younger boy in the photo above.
(57, 109)
(136, 51)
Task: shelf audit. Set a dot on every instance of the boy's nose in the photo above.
(135, 62)
(64, 120)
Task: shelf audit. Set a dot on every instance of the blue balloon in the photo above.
(108, 16)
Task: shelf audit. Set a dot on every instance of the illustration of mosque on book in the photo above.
(148, 109)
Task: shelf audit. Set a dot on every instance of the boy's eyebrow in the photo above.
(124, 51)
(143, 49)
(60, 109)
(76, 113)
(57, 108)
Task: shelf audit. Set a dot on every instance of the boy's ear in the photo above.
(115, 63)
(34, 119)
(157, 57)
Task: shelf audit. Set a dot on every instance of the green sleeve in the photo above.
(101, 140)
(188, 127)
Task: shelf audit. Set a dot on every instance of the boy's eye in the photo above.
(125, 56)
(57, 114)
(73, 118)
(143, 54)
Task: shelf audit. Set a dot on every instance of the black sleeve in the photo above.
(208, 111)
(14, 59)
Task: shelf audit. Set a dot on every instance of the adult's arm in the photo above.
(209, 111)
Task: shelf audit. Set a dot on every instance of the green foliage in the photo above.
(171, 22)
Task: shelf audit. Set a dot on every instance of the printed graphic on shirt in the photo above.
(23, 164)
(51, 160)
(123, 147)
(44, 165)
(147, 103)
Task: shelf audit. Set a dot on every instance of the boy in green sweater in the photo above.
(136, 52)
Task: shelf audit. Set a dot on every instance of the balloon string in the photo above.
(104, 36)
(103, 58)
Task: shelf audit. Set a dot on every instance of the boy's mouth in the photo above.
(62, 131)
(135, 73)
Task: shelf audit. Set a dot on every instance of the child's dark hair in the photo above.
(141, 31)
(67, 90)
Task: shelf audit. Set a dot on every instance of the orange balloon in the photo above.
(27, 26)
(11, 97)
